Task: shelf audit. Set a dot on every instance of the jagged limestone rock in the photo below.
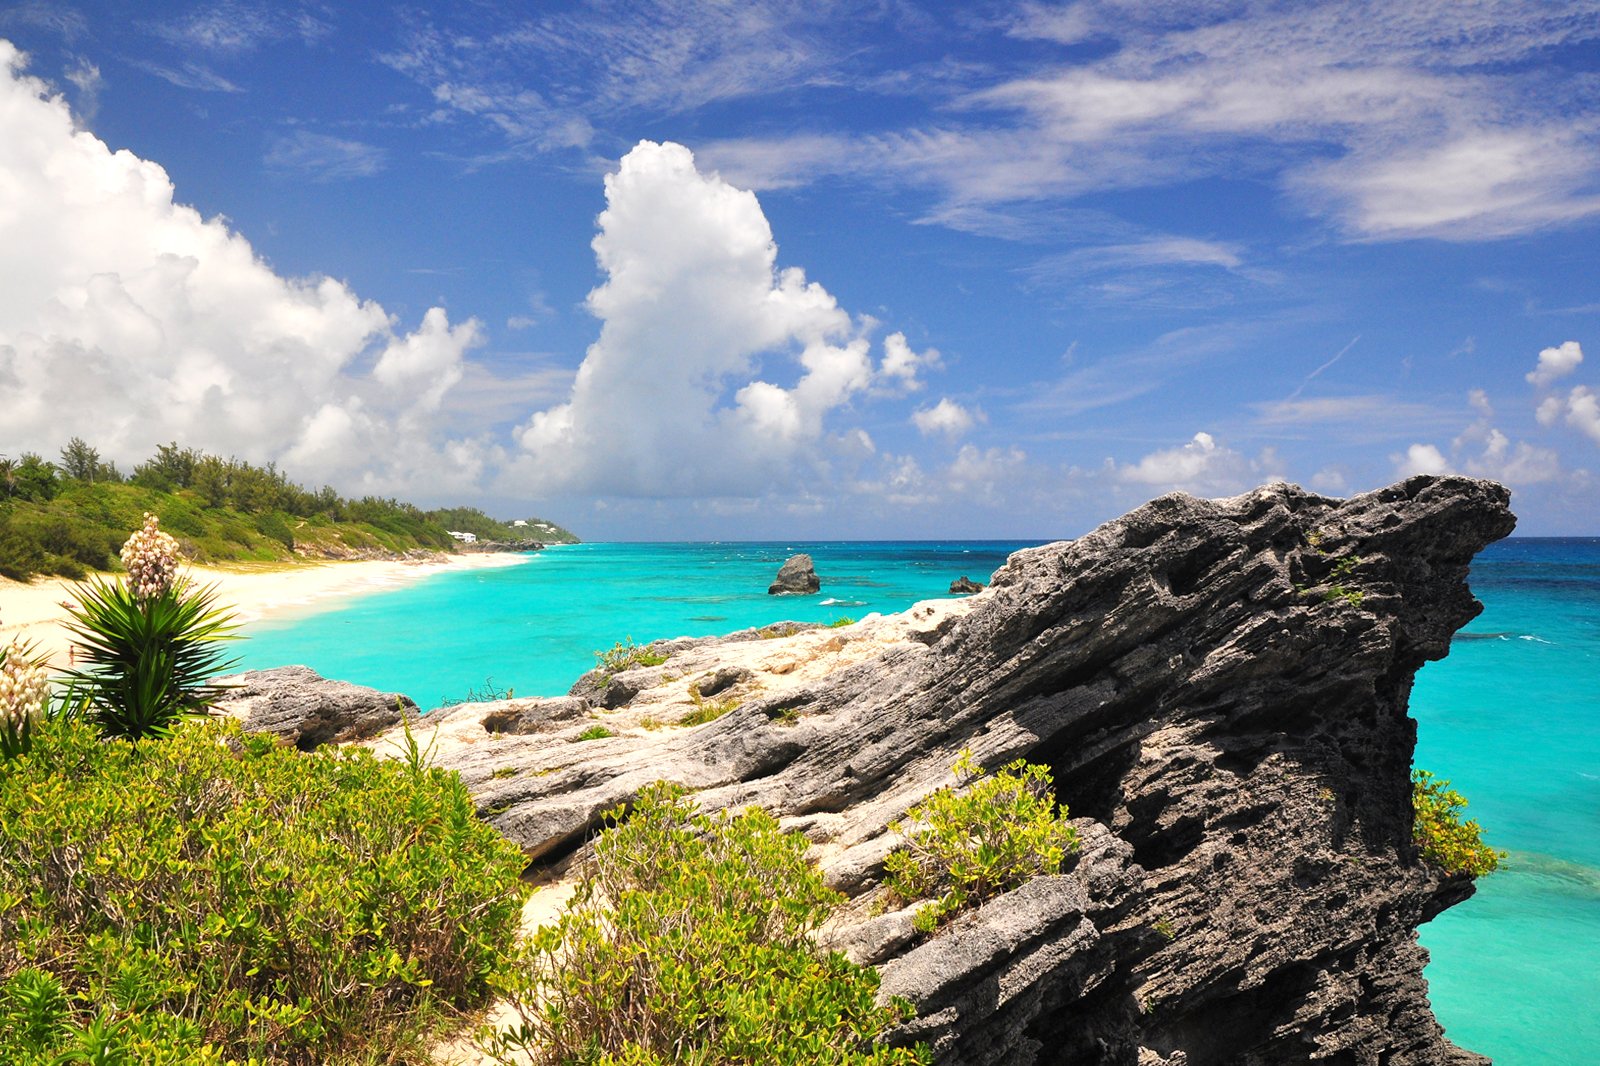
(308, 710)
(1220, 690)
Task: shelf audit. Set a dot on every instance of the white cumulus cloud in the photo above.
(715, 372)
(1202, 467)
(129, 320)
(1583, 412)
(1556, 363)
(901, 365)
(1421, 459)
(945, 417)
(1516, 465)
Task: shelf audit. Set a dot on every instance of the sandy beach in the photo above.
(36, 611)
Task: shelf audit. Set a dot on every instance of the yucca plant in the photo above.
(150, 644)
(24, 699)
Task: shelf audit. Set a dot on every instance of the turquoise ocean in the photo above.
(1512, 717)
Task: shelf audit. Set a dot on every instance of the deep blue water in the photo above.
(1512, 717)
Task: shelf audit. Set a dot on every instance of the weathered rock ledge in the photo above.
(1220, 688)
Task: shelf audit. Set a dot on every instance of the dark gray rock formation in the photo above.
(1220, 689)
(308, 710)
(965, 586)
(796, 577)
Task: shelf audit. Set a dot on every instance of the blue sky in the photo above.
(669, 270)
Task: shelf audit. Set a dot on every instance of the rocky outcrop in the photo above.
(965, 586)
(796, 577)
(308, 710)
(1220, 690)
(339, 551)
(482, 546)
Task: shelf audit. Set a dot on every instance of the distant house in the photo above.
(520, 522)
(465, 538)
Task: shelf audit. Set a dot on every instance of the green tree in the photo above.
(37, 479)
(79, 461)
(170, 468)
(210, 479)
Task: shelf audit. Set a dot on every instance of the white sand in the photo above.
(36, 611)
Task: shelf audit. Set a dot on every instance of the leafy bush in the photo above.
(271, 524)
(595, 732)
(219, 895)
(965, 847)
(688, 942)
(625, 655)
(1442, 837)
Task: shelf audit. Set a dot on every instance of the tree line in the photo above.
(69, 514)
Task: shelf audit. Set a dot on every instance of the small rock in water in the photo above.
(797, 577)
(965, 586)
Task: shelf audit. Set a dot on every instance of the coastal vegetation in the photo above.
(688, 941)
(215, 895)
(962, 847)
(68, 517)
(1442, 836)
(177, 891)
(149, 644)
(625, 655)
(706, 710)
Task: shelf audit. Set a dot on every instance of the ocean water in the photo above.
(1511, 717)
(534, 628)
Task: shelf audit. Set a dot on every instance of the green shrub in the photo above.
(964, 847)
(20, 555)
(595, 732)
(220, 895)
(1441, 836)
(625, 655)
(271, 524)
(688, 942)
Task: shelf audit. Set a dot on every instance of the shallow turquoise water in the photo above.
(1512, 717)
(534, 628)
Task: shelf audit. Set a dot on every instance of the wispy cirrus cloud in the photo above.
(1368, 418)
(233, 27)
(1152, 270)
(1429, 119)
(60, 19)
(320, 157)
(546, 81)
(190, 76)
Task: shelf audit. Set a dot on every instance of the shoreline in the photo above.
(35, 611)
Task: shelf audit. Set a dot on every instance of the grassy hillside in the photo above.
(71, 517)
